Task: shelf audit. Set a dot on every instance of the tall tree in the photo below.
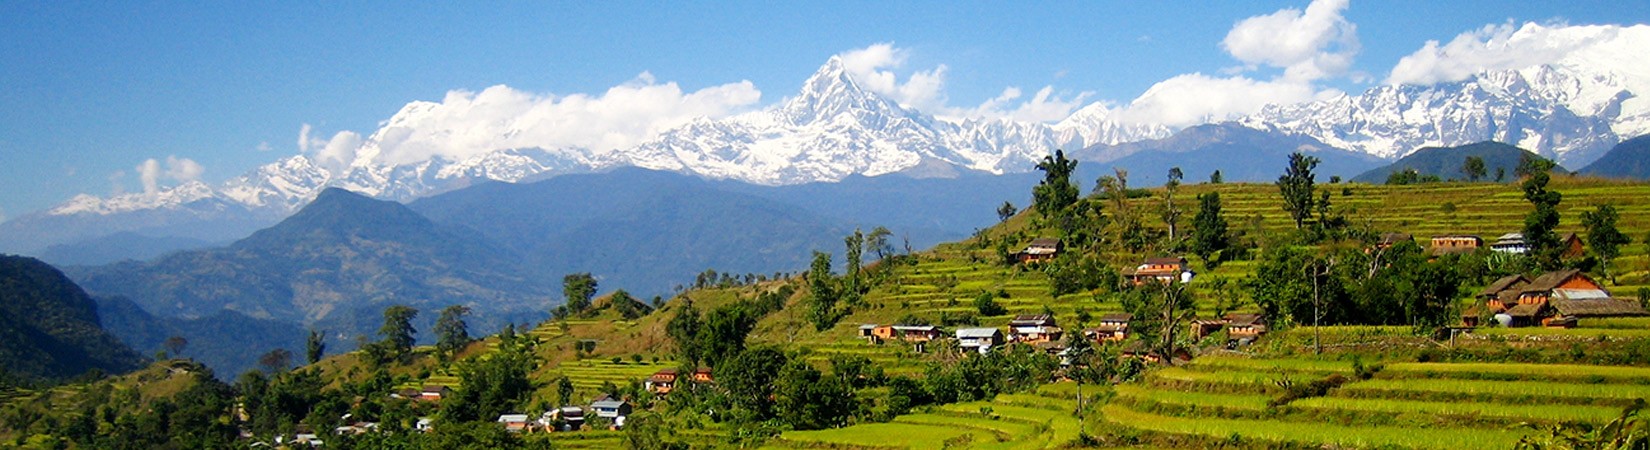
(1006, 211)
(854, 252)
(452, 334)
(564, 391)
(878, 242)
(1603, 237)
(1215, 178)
(1473, 168)
(579, 288)
(684, 329)
(823, 287)
(398, 331)
(1209, 234)
(1056, 191)
(1296, 186)
(1542, 219)
(276, 360)
(175, 345)
(1171, 212)
(315, 346)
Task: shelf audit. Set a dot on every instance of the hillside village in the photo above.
(1188, 315)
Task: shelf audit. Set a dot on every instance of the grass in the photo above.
(1006, 429)
(1515, 371)
(1267, 365)
(1534, 390)
(1324, 434)
(881, 435)
(1245, 402)
(1529, 412)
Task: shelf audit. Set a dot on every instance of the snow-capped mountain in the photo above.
(1572, 109)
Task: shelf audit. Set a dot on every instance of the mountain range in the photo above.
(1571, 110)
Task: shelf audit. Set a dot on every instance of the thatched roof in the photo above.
(1116, 317)
(1525, 310)
(1597, 307)
(1505, 283)
(1551, 280)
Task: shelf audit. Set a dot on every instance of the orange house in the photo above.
(1040, 250)
(1163, 270)
(1455, 243)
(662, 382)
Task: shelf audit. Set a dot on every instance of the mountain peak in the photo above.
(831, 92)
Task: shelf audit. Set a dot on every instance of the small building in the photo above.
(1245, 326)
(1113, 327)
(433, 393)
(1033, 328)
(1040, 250)
(917, 333)
(615, 410)
(701, 374)
(979, 340)
(661, 382)
(1511, 243)
(1555, 299)
(1162, 270)
(566, 418)
(867, 332)
(514, 422)
(1449, 244)
(1573, 247)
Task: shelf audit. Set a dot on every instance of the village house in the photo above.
(1449, 244)
(357, 428)
(1033, 328)
(570, 418)
(868, 332)
(701, 374)
(433, 393)
(1240, 328)
(1515, 243)
(1113, 327)
(1040, 250)
(514, 422)
(917, 334)
(1162, 270)
(979, 340)
(661, 382)
(1554, 299)
(613, 410)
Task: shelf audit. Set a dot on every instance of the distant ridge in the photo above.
(1445, 162)
(1629, 159)
(49, 327)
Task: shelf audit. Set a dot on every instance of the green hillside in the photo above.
(1373, 386)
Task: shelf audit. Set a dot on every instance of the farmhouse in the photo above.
(1162, 270)
(1113, 327)
(662, 382)
(1033, 328)
(433, 393)
(1040, 250)
(615, 410)
(1515, 243)
(1448, 244)
(701, 374)
(1554, 299)
(514, 422)
(1239, 327)
(978, 339)
(571, 418)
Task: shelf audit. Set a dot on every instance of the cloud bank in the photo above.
(1498, 47)
(151, 172)
(924, 90)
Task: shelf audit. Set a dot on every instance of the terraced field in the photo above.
(1045, 419)
(1404, 405)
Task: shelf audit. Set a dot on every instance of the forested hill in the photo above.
(1499, 163)
(49, 328)
(1629, 159)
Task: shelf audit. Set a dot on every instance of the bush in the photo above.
(987, 304)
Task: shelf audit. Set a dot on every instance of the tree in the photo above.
(175, 345)
(1209, 234)
(1316, 270)
(807, 400)
(684, 329)
(1215, 178)
(1530, 165)
(1603, 237)
(398, 331)
(854, 252)
(878, 242)
(1056, 191)
(724, 333)
(1473, 168)
(748, 378)
(315, 346)
(493, 385)
(1171, 212)
(452, 334)
(1006, 211)
(987, 305)
(276, 360)
(822, 285)
(1545, 248)
(564, 391)
(1296, 188)
(579, 288)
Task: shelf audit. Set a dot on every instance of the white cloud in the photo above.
(303, 138)
(336, 154)
(263, 147)
(1192, 99)
(1495, 47)
(1309, 45)
(924, 90)
(469, 123)
(151, 172)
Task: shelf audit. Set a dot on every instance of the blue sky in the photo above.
(91, 90)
